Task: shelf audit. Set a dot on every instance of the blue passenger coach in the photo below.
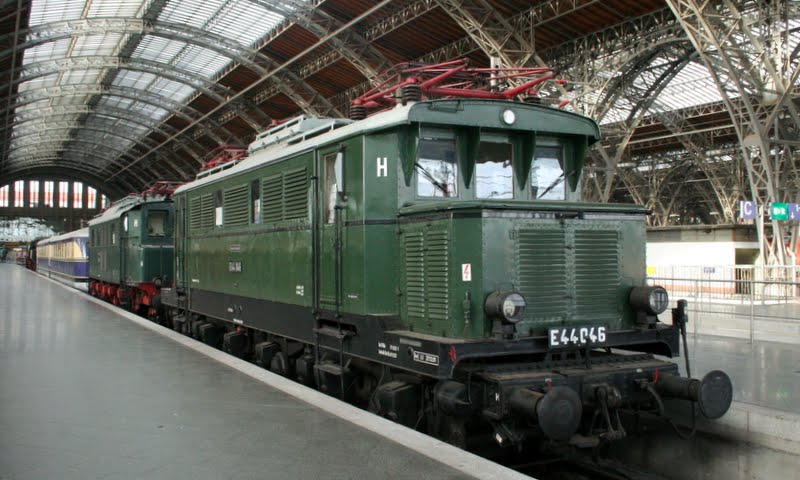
(65, 258)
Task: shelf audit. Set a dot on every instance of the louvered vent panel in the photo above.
(597, 277)
(207, 202)
(295, 194)
(195, 214)
(272, 200)
(236, 206)
(541, 272)
(436, 276)
(427, 291)
(415, 275)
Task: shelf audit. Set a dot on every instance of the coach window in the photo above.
(156, 223)
(494, 177)
(218, 208)
(255, 199)
(547, 174)
(437, 173)
(125, 223)
(330, 187)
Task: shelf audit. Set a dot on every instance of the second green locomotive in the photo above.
(131, 249)
(435, 262)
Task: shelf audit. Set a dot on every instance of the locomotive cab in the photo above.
(495, 209)
(502, 265)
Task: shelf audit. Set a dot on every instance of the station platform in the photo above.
(89, 392)
(764, 366)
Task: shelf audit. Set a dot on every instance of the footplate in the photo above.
(511, 390)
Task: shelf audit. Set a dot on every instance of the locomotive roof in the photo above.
(128, 203)
(82, 233)
(400, 115)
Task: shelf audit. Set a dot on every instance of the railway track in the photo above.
(582, 469)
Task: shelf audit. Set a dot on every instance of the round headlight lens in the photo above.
(654, 300)
(509, 117)
(514, 307)
(507, 306)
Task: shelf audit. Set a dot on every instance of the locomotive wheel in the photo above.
(453, 431)
(304, 370)
(364, 385)
(279, 364)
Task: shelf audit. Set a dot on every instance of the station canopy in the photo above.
(130, 92)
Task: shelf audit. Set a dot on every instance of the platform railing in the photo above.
(747, 301)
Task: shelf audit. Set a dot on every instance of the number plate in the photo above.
(570, 336)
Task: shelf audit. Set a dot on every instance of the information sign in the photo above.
(747, 210)
(794, 211)
(779, 211)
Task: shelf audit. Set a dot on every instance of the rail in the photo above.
(748, 301)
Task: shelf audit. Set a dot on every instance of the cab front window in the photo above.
(494, 177)
(437, 173)
(156, 223)
(547, 174)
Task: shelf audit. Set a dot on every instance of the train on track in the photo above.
(132, 249)
(64, 258)
(430, 259)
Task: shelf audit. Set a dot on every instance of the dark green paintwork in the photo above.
(403, 255)
(134, 255)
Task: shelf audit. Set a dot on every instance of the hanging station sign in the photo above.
(748, 210)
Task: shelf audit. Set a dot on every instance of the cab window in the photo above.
(494, 177)
(437, 173)
(547, 174)
(156, 223)
(255, 198)
(330, 188)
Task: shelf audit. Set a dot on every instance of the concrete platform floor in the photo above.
(765, 374)
(88, 394)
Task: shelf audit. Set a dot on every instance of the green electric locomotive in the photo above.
(434, 262)
(131, 249)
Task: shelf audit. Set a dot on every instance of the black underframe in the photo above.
(383, 339)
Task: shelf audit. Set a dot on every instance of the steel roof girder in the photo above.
(46, 159)
(611, 150)
(102, 134)
(674, 122)
(475, 18)
(59, 142)
(249, 57)
(114, 112)
(220, 44)
(47, 67)
(135, 94)
(717, 34)
(358, 51)
(404, 14)
(128, 93)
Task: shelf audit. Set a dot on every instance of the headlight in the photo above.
(507, 306)
(508, 116)
(653, 300)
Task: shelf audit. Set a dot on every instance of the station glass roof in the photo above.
(54, 120)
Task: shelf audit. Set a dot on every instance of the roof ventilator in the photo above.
(296, 130)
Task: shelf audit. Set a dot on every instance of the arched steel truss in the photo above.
(746, 48)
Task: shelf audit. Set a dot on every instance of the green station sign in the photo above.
(779, 211)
